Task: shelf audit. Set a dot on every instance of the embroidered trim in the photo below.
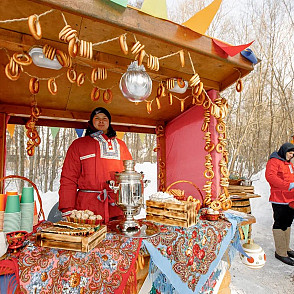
(108, 151)
(87, 156)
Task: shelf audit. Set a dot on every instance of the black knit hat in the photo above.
(286, 147)
(100, 110)
(91, 129)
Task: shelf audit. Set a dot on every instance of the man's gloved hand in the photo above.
(291, 186)
(65, 214)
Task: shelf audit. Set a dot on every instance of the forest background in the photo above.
(260, 118)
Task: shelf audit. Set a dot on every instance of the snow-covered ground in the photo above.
(274, 278)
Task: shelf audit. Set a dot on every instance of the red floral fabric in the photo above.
(105, 269)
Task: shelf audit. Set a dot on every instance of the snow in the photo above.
(274, 278)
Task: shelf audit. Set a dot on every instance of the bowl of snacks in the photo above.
(85, 217)
(212, 215)
(15, 239)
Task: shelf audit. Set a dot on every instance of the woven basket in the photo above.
(41, 212)
(188, 182)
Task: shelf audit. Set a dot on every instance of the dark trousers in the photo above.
(283, 216)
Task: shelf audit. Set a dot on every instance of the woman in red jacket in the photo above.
(90, 162)
(280, 175)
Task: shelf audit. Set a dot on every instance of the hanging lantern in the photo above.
(135, 84)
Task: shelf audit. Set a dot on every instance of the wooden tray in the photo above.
(75, 243)
(183, 214)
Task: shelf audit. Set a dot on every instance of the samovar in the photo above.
(130, 184)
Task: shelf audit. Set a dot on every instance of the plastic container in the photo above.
(27, 195)
(12, 204)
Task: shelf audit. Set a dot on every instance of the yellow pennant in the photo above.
(155, 8)
(10, 129)
(200, 21)
(142, 137)
(120, 135)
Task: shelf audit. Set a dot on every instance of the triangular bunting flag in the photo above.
(142, 137)
(200, 21)
(10, 129)
(120, 135)
(79, 132)
(230, 49)
(120, 2)
(155, 8)
(54, 131)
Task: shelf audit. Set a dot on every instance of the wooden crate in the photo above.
(183, 214)
(75, 243)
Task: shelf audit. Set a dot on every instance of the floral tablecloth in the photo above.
(187, 257)
(105, 269)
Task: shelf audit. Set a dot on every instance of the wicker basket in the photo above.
(168, 189)
(41, 212)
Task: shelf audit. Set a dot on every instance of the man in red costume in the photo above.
(280, 175)
(90, 162)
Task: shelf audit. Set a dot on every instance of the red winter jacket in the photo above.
(88, 164)
(280, 174)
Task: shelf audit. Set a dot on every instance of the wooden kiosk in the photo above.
(177, 123)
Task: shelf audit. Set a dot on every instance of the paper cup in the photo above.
(27, 195)
(12, 204)
(2, 202)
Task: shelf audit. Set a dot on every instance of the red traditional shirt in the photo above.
(88, 164)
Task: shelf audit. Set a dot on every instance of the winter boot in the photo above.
(281, 247)
(290, 252)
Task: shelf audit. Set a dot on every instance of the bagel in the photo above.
(94, 75)
(30, 124)
(216, 205)
(34, 85)
(221, 127)
(32, 134)
(182, 105)
(181, 82)
(52, 86)
(182, 58)
(170, 98)
(35, 111)
(35, 26)
(239, 86)
(71, 75)
(123, 44)
(107, 96)
(31, 151)
(141, 57)
(73, 48)
(12, 77)
(209, 146)
(61, 57)
(158, 102)
(224, 171)
(37, 141)
(95, 94)
(227, 204)
(208, 174)
(219, 148)
(149, 107)
(22, 58)
(81, 79)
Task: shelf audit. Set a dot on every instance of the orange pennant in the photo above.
(120, 135)
(10, 129)
(202, 19)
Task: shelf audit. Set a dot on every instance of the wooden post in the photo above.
(3, 118)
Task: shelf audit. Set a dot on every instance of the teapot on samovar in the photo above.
(129, 184)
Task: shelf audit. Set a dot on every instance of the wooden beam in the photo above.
(70, 116)
(78, 125)
(135, 21)
(19, 42)
(3, 118)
